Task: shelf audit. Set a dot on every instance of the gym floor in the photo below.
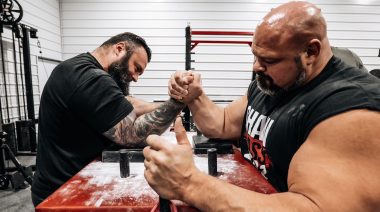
(19, 200)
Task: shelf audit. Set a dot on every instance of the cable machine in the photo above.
(192, 43)
(11, 13)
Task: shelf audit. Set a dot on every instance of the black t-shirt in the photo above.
(79, 102)
(275, 127)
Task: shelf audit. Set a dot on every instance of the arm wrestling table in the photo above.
(99, 187)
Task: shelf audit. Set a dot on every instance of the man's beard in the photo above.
(267, 86)
(119, 72)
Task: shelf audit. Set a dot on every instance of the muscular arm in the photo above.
(218, 122)
(142, 107)
(336, 169)
(340, 157)
(132, 131)
(213, 121)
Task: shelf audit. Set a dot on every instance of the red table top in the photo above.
(99, 187)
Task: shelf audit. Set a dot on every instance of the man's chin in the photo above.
(270, 90)
(267, 91)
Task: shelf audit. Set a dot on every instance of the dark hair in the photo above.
(375, 72)
(133, 41)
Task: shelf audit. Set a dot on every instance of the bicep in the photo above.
(337, 166)
(234, 115)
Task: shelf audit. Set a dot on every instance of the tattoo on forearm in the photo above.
(132, 131)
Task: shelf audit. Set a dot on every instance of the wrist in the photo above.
(176, 101)
(196, 101)
(190, 189)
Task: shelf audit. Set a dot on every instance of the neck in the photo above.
(101, 55)
(320, 64)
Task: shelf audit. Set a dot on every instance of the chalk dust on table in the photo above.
(110, 187)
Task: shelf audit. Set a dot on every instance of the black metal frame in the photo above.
(27, 31)
(191, 44)
(29, 85)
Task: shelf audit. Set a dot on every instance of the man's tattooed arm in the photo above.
(141, 107)
(132, 131)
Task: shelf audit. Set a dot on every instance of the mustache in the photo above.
(266, 84)
(260, 76)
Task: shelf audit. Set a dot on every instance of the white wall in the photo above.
(226, 69)
(44, 15)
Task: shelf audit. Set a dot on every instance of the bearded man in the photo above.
(309, 123)
(85, 108)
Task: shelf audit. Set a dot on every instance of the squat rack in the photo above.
(192, 43)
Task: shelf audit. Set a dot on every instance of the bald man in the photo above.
(308, 122)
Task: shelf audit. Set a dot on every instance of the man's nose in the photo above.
(257, 67)
(135, 77)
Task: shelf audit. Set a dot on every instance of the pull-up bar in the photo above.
(191, 44)
(194, 43)
(221, 33)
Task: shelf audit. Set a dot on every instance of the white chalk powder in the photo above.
(107, 175)
(104, 180)
(111, 188)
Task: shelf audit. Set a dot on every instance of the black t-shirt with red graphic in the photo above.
(275, 127)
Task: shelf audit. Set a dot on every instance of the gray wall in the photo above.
(226, 69)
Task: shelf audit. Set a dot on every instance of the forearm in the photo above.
(141, 106)
(157, 121)
(132, 131)
(209, 118)
(228, 197)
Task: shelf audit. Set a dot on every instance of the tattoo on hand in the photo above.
(132, 131)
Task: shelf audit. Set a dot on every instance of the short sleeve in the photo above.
(100, 103)
(339, 101)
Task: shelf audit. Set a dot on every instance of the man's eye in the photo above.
(138, 71)
(270, 61)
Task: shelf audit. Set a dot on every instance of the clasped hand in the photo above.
(185, 86)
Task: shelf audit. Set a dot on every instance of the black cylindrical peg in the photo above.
(124, 163)
(164, 205)
(212, 162)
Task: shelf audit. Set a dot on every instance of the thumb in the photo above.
(187, 77)
(180, 132)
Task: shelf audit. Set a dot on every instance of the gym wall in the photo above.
(69, 27)
(226, 69)
(43, 15)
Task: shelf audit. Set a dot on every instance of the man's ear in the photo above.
(119, 47)
(313, 50)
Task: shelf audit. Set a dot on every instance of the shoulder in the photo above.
(81, 61)
(351, 80)
(346, 79)
(346, 89)
(84, 68)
